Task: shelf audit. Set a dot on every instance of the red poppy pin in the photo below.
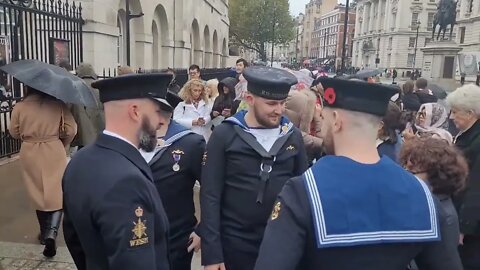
(330, 95)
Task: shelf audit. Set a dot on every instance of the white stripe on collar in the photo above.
(323, 238)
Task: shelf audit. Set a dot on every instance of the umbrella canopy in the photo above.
(366, 73)
(437, 91)
(52, 80)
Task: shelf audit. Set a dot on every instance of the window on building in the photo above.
(411, 42)
(410, 58)
(470, 8)
(394, 20)
(431, 16)
(427, 40)
(414, 21)
(390, 43)
(462, 35)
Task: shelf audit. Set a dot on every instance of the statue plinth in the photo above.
(440, 61)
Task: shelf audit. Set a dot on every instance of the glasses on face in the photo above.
(193, 73)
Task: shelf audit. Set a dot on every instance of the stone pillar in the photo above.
(439, 62)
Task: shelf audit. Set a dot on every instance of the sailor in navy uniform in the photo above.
(176, 164)
(114, 218)
(354, 210)
(249, 158)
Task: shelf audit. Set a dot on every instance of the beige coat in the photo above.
(36, 122)
(300, 109)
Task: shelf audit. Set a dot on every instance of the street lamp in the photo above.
(345, 30)
(128, 17)
(417, 23)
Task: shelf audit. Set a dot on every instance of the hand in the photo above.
(226, 112)
(220, 266)
(408, 134)
(195, 122)
(201, 121)
(215, 113)
(194, 243)
(460, 242)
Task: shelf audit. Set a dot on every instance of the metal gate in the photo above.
(46, 30)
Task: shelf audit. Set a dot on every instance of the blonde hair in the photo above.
(123, 70)
(186, 92)
(465, 98)
(213, 85)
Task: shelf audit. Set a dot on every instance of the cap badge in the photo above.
(330, 95)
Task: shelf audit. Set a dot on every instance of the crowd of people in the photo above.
(296, 171)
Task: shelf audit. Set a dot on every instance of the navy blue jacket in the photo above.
(114, 218)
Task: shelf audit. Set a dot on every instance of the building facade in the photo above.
(386, 33)
(169, 34)
(468, 37)
(313, 11)
(327, 37)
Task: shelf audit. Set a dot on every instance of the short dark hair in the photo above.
(445, 166)
(241, 60)
(407, 87)
(194, 67)
(421, 83)
(392, 121)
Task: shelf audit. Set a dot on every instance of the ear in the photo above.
(134, 112)
(249, 98)
(337, 122)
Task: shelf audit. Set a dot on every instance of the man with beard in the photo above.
(354, 209)
(114, 218)
(249, 158)
(176, 164)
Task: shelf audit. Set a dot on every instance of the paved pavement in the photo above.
(19, 248)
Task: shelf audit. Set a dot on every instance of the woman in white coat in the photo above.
(194, 111)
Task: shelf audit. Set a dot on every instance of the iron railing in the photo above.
(46, 30)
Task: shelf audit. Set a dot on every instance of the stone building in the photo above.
(327, 37)
(313, 11)
(468, 37)
(169, 34)
(386, 30)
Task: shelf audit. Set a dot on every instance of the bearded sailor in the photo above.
(176, 164)
(249, 158)
(355, 210)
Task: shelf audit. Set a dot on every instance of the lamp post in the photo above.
(417, 23)
(345, 30)
(129, 16)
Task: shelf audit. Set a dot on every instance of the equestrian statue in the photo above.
(446, 15)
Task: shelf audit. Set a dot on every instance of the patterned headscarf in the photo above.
(436, 116)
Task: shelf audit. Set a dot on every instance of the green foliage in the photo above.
(252, 23)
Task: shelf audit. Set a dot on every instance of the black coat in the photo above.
(176, 187)
(108, 194)
(233, 223)
(468, 203)
(290, 243)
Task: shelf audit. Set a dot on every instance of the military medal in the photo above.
(285, 128)
(177, 155)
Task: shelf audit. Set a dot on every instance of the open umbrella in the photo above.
(366, 73)
(437, 91)
(51, 80)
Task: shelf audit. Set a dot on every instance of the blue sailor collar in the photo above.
(239, 119)
(344, 216)
(174, 129)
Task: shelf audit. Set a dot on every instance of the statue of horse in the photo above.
(445, 16)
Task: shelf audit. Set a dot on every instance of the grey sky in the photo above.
(298, 6)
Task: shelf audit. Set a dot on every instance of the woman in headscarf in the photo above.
(431, 120)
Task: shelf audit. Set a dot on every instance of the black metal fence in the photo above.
(46, 30)
(181, 74)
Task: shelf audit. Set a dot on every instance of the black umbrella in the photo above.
(366, 73)
(437, 91)
(52, 80)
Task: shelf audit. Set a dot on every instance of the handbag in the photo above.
(62, 131)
